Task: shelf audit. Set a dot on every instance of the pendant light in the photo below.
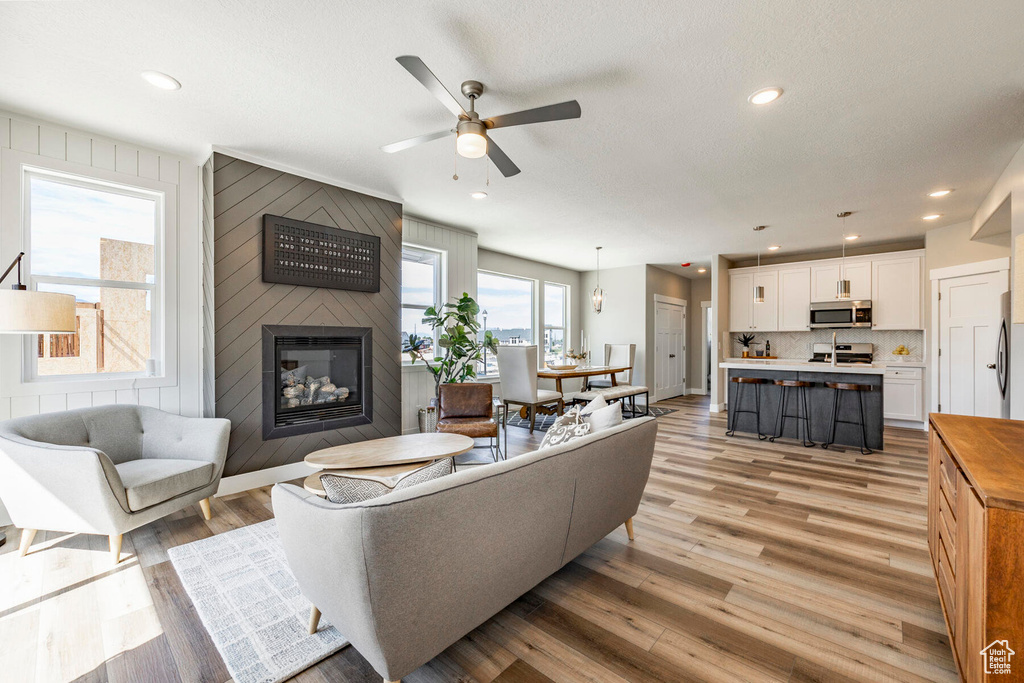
(597, 297)
(843, 285)
(758, 289)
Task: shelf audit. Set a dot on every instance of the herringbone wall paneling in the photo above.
(242, 193)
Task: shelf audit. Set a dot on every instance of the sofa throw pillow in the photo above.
(604, 418)
(566, 428)
(595, 404)
(351, 489)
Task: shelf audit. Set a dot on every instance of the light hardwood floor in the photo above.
(752, 562)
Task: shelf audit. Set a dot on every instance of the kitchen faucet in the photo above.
(833, 348)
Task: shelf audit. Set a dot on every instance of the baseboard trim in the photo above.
(906, 424)
(260, 478)
(716, 408)
(696, 391)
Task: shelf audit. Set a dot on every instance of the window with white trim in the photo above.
(556, 320)
(101, 242)
(421, 289)
(507, 309)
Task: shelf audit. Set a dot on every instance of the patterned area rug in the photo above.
(249, 602)
(545, 421)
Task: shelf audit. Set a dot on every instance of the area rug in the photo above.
(545, 421)
(250, 604)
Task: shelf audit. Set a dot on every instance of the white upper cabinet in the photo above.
(825, 277)
(823, 281)
(741, 298)
(744, 314)
(794, 299)
(897, 286)
(859, 275)
(765, 317)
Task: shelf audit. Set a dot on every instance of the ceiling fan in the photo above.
(473, 141)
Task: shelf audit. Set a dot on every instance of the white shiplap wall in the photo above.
(181, 394)
(460, 251)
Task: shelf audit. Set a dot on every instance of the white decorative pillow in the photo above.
(354, 489)
(604, 418)
(595, 404)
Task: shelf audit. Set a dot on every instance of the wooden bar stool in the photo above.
(741, 382)
(803, 415)
(839, 388)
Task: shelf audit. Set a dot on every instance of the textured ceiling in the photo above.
(884, 101)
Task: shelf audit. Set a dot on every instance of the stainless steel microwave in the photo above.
(841, 313)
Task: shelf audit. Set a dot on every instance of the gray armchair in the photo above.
(107, 470)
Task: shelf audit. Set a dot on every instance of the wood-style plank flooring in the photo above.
(753, 561)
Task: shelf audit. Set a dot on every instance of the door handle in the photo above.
(991, 366)
(672, 355)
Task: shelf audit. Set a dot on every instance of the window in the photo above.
(100, 242)
(555, 320)
(421, 288)
(506, 310)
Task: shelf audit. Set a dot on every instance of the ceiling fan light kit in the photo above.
(472, 140)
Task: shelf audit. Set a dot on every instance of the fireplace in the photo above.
(316, 378)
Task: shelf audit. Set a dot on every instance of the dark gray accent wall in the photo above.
(242, 193)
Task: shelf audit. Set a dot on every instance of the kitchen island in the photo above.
(819, 398)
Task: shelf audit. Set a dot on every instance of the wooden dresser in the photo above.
(976, 536)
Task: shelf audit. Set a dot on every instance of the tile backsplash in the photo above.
(797, 345)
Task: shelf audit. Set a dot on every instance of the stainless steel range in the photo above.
(845, 353)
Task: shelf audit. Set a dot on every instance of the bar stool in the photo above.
(803, 415)
(741, 382)
(839, 388)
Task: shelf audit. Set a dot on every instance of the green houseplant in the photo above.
(458, 341)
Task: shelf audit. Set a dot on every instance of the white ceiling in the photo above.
(884, 102)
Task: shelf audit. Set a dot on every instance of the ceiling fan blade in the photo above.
(552, 112)
(500, 159)
(418, 140)
(421, 73)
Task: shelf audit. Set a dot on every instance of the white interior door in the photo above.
(969, 320)
(670, 350)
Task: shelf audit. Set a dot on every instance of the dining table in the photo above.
(581, 371)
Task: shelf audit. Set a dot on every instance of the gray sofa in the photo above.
(107, 470)
(406, 575)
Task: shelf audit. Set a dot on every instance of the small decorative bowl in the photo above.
(558, 366)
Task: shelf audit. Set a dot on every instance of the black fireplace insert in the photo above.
(316, 378)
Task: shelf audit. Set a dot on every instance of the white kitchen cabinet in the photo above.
(903, 394)
(897, 304)
(794, 299)
(744, 314)
(825, 278)
(765, 316)
(741, 296)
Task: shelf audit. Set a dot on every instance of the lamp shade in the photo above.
(31, 312)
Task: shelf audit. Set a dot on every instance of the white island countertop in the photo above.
(793, 365)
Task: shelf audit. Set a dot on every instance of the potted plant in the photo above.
(745, 340)
(458, 340)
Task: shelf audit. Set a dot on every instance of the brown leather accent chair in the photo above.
(468, 409)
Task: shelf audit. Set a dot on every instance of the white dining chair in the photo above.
(616, 355)
(517, 371)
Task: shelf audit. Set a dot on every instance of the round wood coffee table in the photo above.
(382, 458)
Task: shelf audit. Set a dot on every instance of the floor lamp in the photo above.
(24, 311)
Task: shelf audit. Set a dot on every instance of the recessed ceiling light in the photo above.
(850, 238)
(161, 80)
(478, 195)
(702, 270)
(775, 247)
(939, 193)
(765, 95)
(931, 216)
